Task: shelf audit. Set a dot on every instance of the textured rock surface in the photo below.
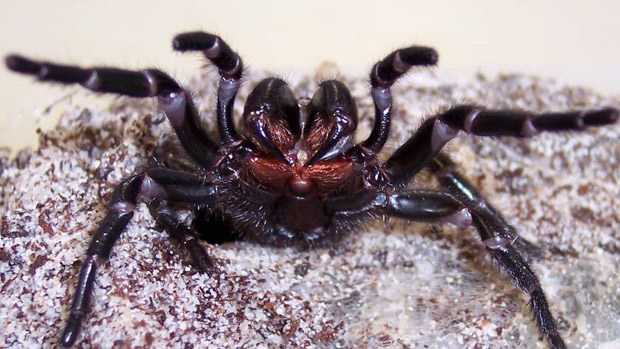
(397, 285)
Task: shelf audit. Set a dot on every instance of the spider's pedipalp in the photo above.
(385, 72)
(214, 48)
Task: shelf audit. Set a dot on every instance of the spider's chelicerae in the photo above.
(294, 176)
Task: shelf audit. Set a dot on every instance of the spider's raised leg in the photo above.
(147, 83)
(382, 76)
(230, 67)
(435, 132)
(154, 184)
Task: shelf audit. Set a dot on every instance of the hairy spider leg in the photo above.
(382, 76)
(500, 240)
(230, 68)
(175, 101)
(462, 206)
(154, 185)
(421, 205)
(182, 234)
(435, 132)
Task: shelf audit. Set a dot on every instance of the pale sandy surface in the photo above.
(394, 286)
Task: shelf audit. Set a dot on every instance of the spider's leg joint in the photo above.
(150, 189)
(93, 82)
(215, 49)
(398, 64)
(442, 133)
(381, 200)
(152, 83)
(529, 130)
(497, 242)
(174, 105)
(122, 207)
(469, 120)
(461, 219)
(228, 88)
(383, 99)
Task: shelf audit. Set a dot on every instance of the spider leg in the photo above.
(230, 68)
(435, 132)
(382, 76)
(175, 101)
(501, 241)
(182, 234)
(153, 184)
(428, 206)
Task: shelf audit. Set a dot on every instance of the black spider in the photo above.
(294, 176)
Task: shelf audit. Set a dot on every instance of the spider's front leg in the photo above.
(174, 100)
(435, 132)
(155, 186)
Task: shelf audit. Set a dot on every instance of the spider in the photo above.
(294, 175)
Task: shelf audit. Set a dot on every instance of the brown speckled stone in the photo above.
(398, 285)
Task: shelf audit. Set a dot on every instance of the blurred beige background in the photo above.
(575, 42)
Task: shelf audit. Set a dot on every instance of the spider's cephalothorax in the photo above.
(295, 176)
